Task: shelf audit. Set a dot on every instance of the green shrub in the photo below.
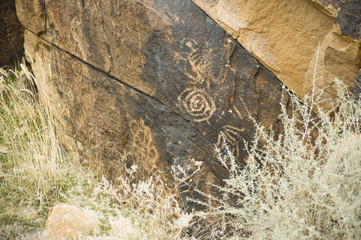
(303, 184)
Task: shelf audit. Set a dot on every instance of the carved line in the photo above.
(232, 137)
(197, 103)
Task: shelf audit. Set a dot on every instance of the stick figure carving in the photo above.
(197, 60)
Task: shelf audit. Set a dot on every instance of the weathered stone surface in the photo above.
(154, 81)
(69, 222)
(31, 14)
(285, 37)
(347, 15)
(11, 35)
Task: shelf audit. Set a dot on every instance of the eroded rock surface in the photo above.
(11, 35)
(150, 83)
(285, 37)
(347, 15)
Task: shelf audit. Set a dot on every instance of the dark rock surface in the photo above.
(150, 83)
(347, 15)
(349, 18)
(11, 35)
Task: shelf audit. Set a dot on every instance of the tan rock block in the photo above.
(284, 36)
(67, 221)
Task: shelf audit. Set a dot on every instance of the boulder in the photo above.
(11, 35)
(286, 37)
(151, 83)
(69, 222)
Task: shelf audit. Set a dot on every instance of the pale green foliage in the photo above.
(303, 184)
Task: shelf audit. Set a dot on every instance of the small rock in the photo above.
(67, 221)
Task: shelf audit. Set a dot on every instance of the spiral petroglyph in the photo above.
(197, 103)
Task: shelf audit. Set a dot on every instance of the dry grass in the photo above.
(37, 174)
(36, 171)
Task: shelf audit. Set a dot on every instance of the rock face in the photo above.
(346, 14)
(69, 222)
(285, 38)
(150, 83)
(11, 35)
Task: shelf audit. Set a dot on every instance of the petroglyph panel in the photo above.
(151, 82)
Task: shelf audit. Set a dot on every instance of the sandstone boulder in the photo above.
(284, 36)
(151, 83)
(11, 35)
(69, 222)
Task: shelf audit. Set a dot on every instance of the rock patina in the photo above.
(151, 83)
(11, 35)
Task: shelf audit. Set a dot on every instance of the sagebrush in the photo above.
(302, 184)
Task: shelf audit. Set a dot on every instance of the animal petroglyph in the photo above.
(231, 135)
(197, 103)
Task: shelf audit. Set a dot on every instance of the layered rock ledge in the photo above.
(285, 35)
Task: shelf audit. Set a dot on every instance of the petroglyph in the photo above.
(245, 107)
(236, 112)
(197, 103)
(232, 136)
(142, 149)
(198, 62)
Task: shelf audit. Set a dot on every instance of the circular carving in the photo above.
(197, 103)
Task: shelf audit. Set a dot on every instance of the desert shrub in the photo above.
(303, 184)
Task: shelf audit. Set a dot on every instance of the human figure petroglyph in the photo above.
(198, 62)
